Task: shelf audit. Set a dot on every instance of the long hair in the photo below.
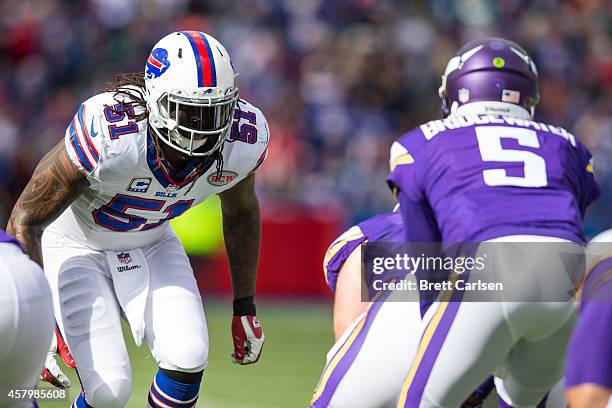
(129, 91)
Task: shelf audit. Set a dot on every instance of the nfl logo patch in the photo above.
(464, 95)
(511, 96)
(124, 258)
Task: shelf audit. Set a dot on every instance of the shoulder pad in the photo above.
(249, 137)
(104, 143)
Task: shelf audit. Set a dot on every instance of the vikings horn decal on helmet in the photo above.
(492, 75)
(190, 92)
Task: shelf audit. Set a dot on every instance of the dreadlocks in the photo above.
(129, 92)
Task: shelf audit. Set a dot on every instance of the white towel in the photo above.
(130, 273)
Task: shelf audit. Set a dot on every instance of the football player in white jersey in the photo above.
(26, 323)
(142, 152)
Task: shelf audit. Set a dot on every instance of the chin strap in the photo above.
(161, 158)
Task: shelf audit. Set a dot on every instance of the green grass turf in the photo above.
(298, 335)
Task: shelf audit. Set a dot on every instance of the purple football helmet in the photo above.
(494, 74)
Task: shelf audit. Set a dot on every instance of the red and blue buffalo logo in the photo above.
(157, 63)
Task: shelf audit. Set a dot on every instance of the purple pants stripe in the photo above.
(416, 389)
(429, 349)
(344, 358)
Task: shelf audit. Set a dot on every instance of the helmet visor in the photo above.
(201, 118)
(198, 127)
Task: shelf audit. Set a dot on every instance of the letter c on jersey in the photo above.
(140, 185)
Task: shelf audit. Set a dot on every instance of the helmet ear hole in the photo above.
(162, 105)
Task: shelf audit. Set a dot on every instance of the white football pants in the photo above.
(367, 365)
(89, 314)
(522, 342)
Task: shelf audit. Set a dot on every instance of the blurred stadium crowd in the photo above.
(339, 80)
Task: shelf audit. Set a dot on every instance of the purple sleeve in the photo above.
(419, 215)
(404, 161)
(404, 178)
(589, 355)
(590, 189)
(333, 265)
(423, 229)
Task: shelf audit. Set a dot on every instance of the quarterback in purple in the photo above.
(589, 355)
(489, 172)
(487, 175)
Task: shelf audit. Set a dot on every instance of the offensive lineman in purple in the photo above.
(385, 227)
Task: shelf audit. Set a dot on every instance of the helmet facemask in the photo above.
(195, 125)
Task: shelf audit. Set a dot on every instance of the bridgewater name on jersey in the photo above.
(487, 176)
(131, 195)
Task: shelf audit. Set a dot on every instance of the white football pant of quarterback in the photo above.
(26, 325)
(367, 365)
(521, 342)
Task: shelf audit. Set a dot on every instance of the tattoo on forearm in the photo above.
(242, 233)
(53, 186)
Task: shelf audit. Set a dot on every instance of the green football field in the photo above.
(298, 335)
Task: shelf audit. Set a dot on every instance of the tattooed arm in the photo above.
(55, 184)
(242, 233)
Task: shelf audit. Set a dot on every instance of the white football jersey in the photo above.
(131, 196)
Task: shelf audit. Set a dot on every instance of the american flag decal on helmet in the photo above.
(511, 96)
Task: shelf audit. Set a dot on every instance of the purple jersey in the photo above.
(589, 355)
(487, 176)
(4, 237)
(386, 227)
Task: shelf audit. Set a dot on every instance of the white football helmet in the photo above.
(190, 92)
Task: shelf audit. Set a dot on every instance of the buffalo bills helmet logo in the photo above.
(157, 63)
